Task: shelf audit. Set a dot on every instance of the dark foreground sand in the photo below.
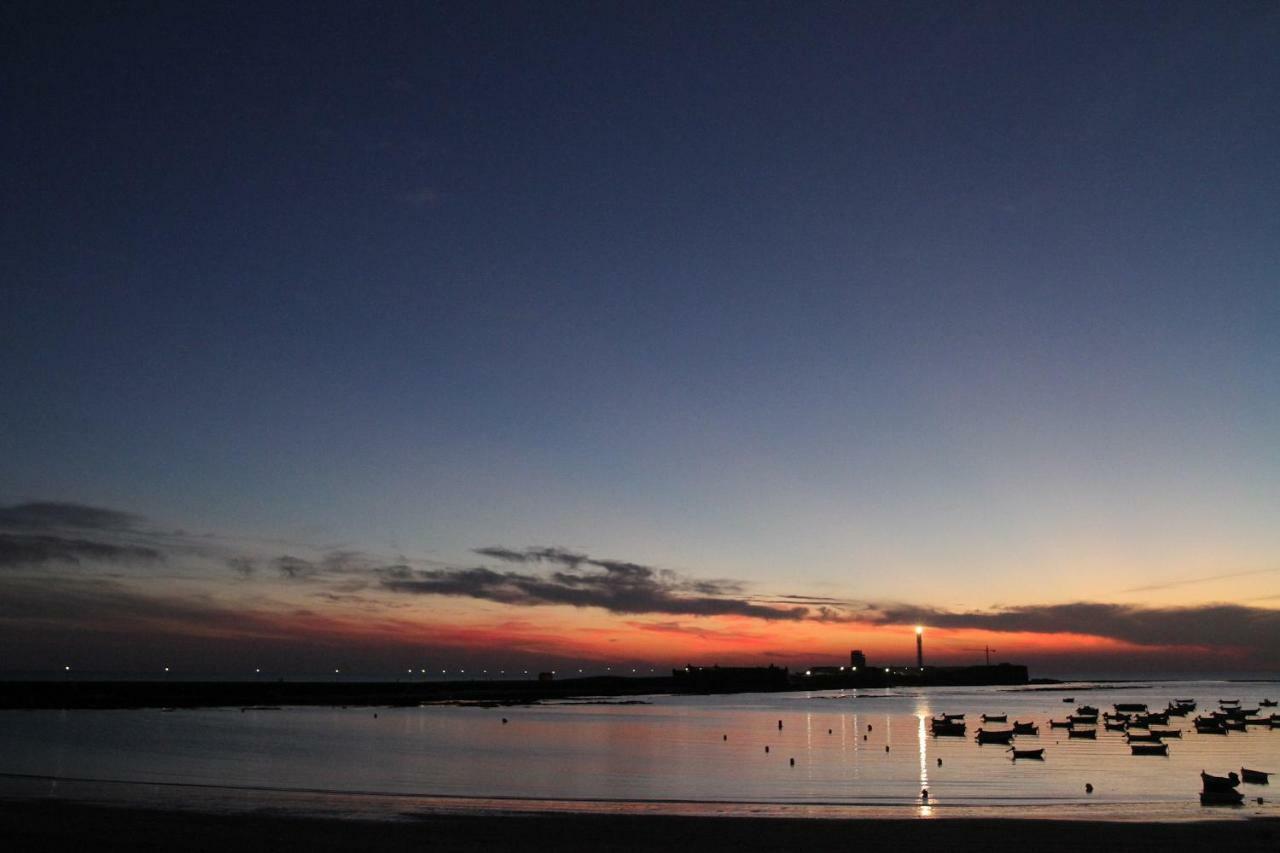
(56, 826)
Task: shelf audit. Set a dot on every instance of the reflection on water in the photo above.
(671, 753)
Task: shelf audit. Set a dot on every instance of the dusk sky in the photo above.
(557, 335)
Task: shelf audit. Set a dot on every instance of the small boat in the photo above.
(1228, 701)
(1113, 727)
(1221, 798)
(1068, 698)
(1147, 738)
(947, 728)
(1059, 724)
(1219, 783)
(1087, 710)
(1002, 736)
(1254, 777)
(1207, 726)
(1257, 721)
(1149, 748)
(1131, 707)
(1185, 701)
(1138, 723)
(1179, 710)
(1025, 728)
(1083, 719)
(1166, 733)
(1124, 718)
(994, 718)
(1233, 725)
(1158, 719)
(951, 718)
(1267, 703)
(1028, 753)
(1092, 734)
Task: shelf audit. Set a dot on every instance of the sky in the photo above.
(383, 335)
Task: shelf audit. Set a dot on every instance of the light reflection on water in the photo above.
(669, 754)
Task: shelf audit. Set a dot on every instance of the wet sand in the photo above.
(58, 825)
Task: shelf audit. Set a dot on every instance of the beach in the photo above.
(58, 825)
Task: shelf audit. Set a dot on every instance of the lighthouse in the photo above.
(920, 646)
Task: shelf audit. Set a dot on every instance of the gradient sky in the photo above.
(960, 313)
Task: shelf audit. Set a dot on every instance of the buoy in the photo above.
(779, 725)
(504, 721)
(864, 737)
(375, 716)
(793, 762)
(868, 727)
(766, 749)
(1088, 787)
(1259, 800)
(939, 762)
(828, 731)
(886, 747)
(724, 737)
(924, 793)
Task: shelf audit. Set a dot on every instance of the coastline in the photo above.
(56, 825)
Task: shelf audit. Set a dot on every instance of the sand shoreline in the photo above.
(56, 825)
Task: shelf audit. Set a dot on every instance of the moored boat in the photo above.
(1209, 726)
(1221, 798)
(946, 728)
(1267, 703)
(1059, 724)
(1025, 728)
(1166, 733)
(1028, 753)
(994, 718)
(1254, 777)
(1131, 707)
(1149, 748)
(1219, 783)
(1083, 719)
(1145, 738)
(1087, 710)
(1091, 734)
(1113, 727)
(1001, 736)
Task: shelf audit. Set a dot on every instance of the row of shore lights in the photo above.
(442, 672)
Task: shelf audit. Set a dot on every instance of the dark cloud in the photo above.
(535, 555)
(1207, 625)
(242, 566)
(613, 585)
(51, 514)
(18, 550)
(295, 568)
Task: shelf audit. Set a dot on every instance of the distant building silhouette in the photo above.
(857, 659)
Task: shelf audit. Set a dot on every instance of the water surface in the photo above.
(865, 751)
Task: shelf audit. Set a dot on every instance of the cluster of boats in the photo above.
(1144, 730)
(1222, 790)
(1231, 717)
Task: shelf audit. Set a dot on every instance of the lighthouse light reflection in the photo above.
(926, 809)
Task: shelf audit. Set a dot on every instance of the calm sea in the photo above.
(855, 752)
